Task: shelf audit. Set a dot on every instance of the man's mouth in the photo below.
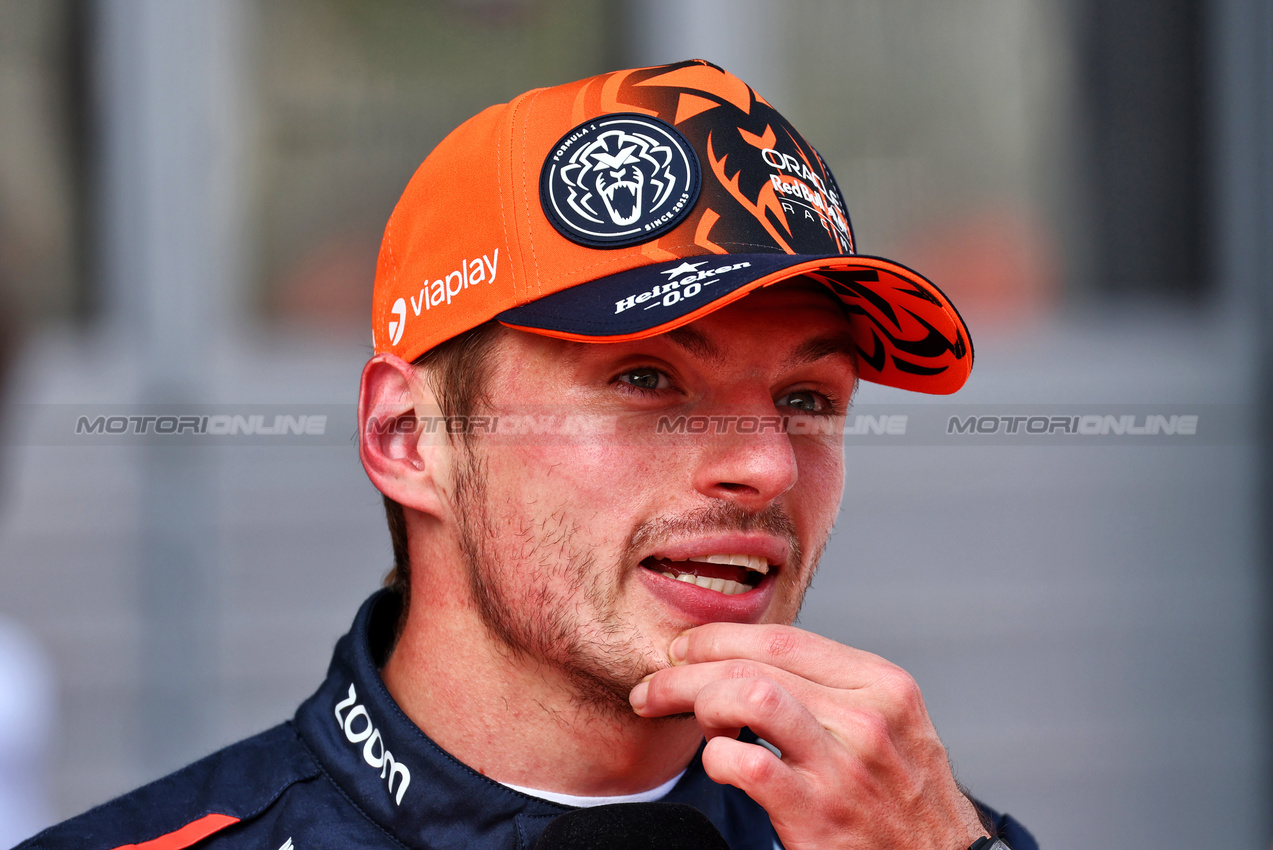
(726, 574)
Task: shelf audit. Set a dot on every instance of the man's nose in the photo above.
(746, 459)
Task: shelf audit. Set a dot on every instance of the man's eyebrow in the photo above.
(824, 346)
(696, 343)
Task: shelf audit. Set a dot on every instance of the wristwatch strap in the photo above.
(989, 844)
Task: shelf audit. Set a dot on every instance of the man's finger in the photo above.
(811, 656)
(674, 690)
(753, 769)
(769, 710)
(725, 696)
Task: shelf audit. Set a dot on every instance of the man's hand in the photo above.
(861, 764)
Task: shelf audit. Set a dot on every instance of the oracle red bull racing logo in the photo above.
(618, 180)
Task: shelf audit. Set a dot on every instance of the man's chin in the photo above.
(606, 696)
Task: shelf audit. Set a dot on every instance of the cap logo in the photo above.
(684, 282)
(396, 326)
(619, 180)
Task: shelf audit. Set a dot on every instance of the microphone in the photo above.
(632, 826)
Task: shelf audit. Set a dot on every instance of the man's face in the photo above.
(590, 551)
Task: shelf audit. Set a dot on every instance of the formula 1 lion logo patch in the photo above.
(618, 180)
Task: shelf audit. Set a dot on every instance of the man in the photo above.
(618, 324)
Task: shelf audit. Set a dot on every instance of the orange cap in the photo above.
(625, 205)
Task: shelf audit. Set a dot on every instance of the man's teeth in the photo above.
(756, 563)
(729, 587)
(720, 585)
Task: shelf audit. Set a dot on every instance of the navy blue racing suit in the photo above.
(351, 771)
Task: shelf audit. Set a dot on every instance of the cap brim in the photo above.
(908, 333)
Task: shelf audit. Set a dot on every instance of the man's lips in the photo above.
(730, 566)
(736, 548)
(718, 574)
(728, 576)
(735, 601)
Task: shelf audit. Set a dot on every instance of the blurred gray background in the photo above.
(191, 198)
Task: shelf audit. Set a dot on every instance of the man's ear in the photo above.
(401, 459)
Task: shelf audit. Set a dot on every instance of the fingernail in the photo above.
(639, 695)
(648, 676)
(678, 649)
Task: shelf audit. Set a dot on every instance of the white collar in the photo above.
(583, 802)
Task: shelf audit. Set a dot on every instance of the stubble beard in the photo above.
(537, 617)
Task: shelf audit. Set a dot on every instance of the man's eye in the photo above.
(645, 379)
(806, 401)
